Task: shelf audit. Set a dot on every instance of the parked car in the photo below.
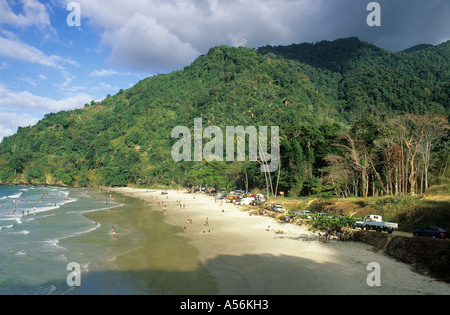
(306, 212)
(247, 201)
(279, 208)
(359, 223)
(375, 222)
(432, 231)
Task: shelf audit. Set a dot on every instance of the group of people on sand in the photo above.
(326, 238)
(177, 203)
(189, 221)
(206, 224)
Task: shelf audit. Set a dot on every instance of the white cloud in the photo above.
(13, 48)
(34, 14)
(163, 35)
(21, 109)
(21, 120)
(143, 43)
(10, 121)
(26, 101)
(156, 35)
(5, 132)
(103, 73)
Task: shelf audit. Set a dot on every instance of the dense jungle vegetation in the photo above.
(355, 120)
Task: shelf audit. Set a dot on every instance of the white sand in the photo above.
(248, 260)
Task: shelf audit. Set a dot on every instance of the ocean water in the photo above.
(38, 226)
(121, 245)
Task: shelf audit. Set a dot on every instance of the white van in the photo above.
(246, 201)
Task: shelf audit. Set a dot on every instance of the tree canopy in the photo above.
(336, 104)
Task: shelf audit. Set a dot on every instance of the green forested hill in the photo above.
(313, 92)
(371, 79)
(344, 55)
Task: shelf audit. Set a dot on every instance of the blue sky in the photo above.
(48, 66)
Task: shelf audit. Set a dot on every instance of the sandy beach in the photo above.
(247, 259)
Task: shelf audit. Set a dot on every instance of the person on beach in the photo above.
(326, 236)
(206, 222)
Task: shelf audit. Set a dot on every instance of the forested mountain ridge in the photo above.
(313, 94)
(374, 80)
(344, 55)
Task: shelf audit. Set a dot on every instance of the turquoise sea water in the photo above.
(44, 229)
(37, 229)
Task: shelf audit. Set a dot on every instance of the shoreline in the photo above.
(246, 259)
(145, 255)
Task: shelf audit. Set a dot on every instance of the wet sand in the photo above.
(152, 257)
(238, 256)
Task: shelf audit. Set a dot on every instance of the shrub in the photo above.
(34, 173)
(67, 179)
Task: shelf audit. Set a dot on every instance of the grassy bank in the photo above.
(410, 212)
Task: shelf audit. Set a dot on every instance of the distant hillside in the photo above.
(341, 55)
(370, 80)
(344, 55)
(311, 91)
(416, 48)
